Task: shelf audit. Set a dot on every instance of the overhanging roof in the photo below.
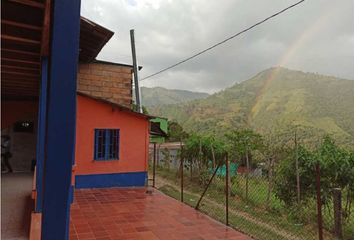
(25, 27)
(156, 130)
(92, 39)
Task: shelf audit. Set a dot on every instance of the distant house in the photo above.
(167, 154)
(159, 130)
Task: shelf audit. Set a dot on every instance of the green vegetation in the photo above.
(248, 218)
(276, 126)
(278, 100)
(159, 96)
(254, 217)
(270, 204)
(238, 222)
(176, 132)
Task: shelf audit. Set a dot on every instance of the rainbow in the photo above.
(306, 35)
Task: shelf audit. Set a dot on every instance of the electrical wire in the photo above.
(223, 41)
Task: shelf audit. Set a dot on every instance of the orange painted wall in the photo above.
(134, 138)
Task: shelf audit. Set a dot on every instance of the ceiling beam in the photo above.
(20, 39)
(24, 83)
(21, 25)
(19, 98)
(19, 51)
(19, 67)
(18, 56)
(20, 73)
(32, 90)
(16, 91)
(13, 78)
(8, 75)
(18, 81)
(14, 88)
(20, 61)
(29, 3)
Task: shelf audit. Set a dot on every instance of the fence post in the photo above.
(247, 173)
(298, 191)
(319, 202)
(154, 167)
(337, 206)
(182, 166)
(227, 176)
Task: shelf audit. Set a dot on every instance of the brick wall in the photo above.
(108, 81)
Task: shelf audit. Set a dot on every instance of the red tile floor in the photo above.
(130, 213)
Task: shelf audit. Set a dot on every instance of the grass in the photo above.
(217, 213)
(254, 216)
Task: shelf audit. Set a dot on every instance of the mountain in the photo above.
(160, 96)
(274, 100)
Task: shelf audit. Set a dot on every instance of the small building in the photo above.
(111, 144)
(159, 130)
(168, 154)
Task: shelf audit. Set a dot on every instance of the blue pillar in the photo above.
(41, 134)
(61, 119)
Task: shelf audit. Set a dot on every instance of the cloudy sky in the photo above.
(316, 36)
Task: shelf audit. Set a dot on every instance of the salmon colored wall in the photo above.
(134, 138)
(12, 111)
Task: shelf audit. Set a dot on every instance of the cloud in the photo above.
(317, 36)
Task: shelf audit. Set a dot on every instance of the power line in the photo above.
(224, 41)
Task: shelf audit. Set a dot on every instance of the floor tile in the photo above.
(130, 213)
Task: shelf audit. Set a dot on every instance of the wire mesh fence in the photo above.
(251, 198)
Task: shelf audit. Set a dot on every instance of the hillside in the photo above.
(272, 101)
(160, 96)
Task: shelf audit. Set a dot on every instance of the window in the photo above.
(106, 144)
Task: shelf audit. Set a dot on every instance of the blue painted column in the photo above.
(42, 113)
(61, 118)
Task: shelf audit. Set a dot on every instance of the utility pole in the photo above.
(135, 70)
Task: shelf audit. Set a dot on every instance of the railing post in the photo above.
(154, 167)
(337, 206)
(227, 176)
(319, 202)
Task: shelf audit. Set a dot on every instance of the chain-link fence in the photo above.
(263, 201)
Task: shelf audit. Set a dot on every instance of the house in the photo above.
(111, 144)
(159, 130)
(63, 107)
(69, 111)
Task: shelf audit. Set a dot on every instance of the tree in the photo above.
(274, 149)
(176, 132)
(337, 171)
(201, 150)
(241, 144)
